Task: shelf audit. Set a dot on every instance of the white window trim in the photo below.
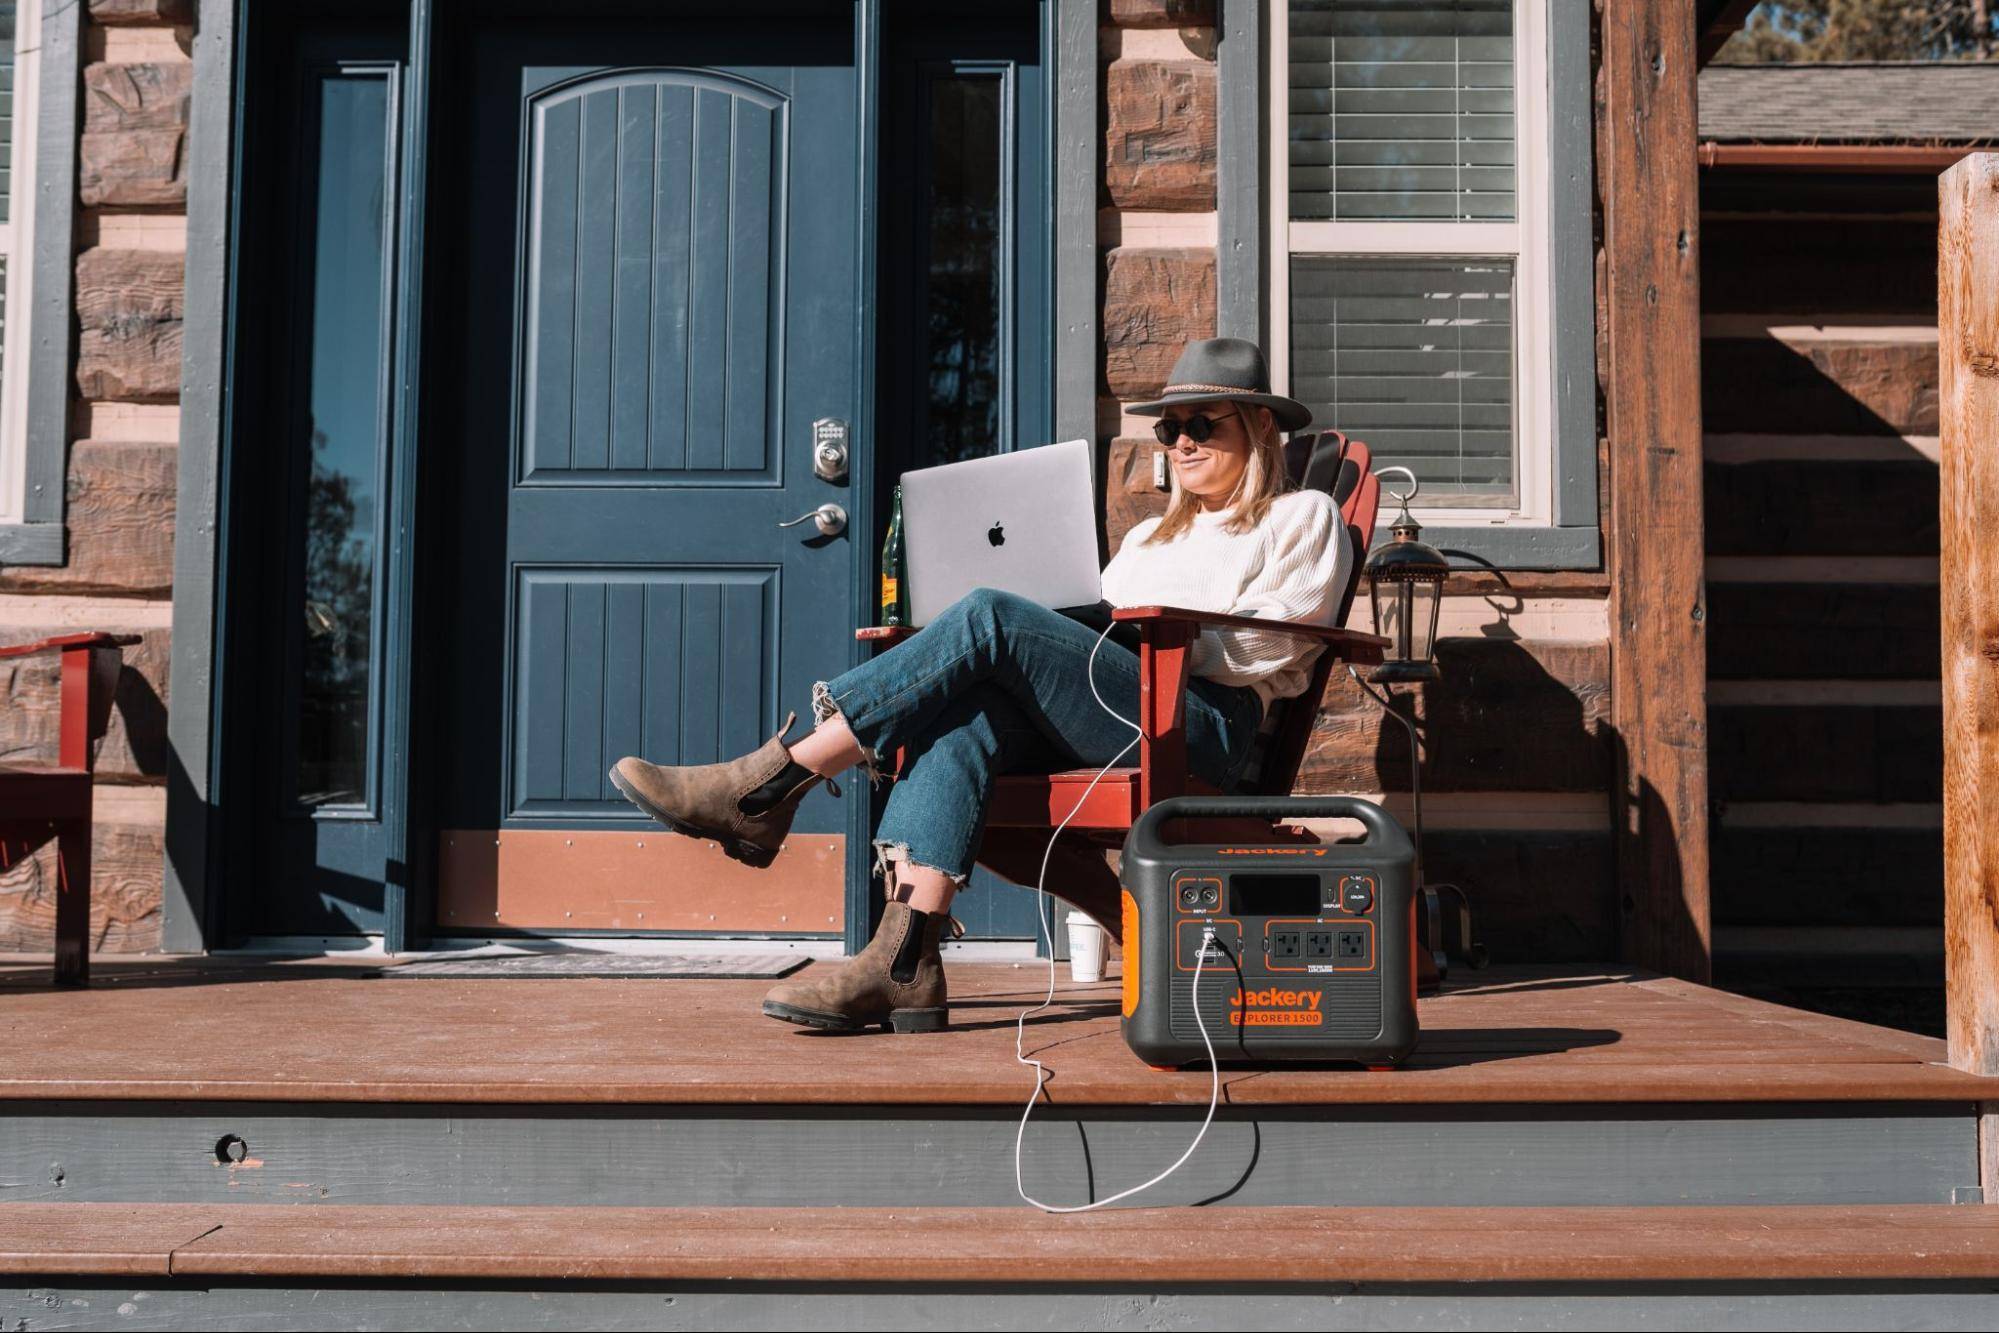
(17, 244)
(1526, 241)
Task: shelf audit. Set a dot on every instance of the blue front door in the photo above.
(652, 300)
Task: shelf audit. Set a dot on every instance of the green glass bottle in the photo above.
(895, 571)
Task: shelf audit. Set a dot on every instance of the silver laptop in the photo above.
(1024, 523)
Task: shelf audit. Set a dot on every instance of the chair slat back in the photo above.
(1360, 504)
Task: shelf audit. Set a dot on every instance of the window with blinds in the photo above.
(1408, 242)
(1414, 356)
(1402, 110)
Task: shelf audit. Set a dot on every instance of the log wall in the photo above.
(1517, 769)
(124, 433)
(1819, 384)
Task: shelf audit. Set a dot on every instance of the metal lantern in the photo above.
(1405, 583)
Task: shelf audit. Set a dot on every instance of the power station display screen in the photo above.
(1274, 895)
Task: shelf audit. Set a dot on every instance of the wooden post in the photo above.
(1650, 300)
(1968, 341)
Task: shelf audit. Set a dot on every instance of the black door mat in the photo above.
(712, 967)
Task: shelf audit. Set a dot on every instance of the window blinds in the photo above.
(7, 15)
(1401, 110)
(1414, 356)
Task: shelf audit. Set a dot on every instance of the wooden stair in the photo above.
(246, 1142)
(1165, 1248)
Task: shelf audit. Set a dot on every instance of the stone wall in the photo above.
(1156, 224)
(124, 433)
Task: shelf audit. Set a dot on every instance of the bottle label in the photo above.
(891, 595)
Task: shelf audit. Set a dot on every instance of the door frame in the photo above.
(205, 821)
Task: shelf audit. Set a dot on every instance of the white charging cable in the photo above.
(1020, 1027)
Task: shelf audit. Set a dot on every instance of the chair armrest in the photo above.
(1349, 644)
(883, 633)
(90, 666)
(68, 643)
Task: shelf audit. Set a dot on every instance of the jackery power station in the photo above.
(1309, 948)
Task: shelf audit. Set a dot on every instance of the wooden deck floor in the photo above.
(327, 1030)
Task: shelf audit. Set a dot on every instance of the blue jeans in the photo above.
(996, 685)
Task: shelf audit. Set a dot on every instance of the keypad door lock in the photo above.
(829, 449)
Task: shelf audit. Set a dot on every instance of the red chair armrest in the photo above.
(90, 666)
(1348, 644)
(68, 643)
(883, 633)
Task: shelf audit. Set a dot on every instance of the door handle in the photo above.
(830, 519)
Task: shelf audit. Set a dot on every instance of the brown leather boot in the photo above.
(896, 982)
(705, 800)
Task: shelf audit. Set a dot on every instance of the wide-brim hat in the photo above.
(1225, 369)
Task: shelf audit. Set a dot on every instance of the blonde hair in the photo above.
(1263, 480)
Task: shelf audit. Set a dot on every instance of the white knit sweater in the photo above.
(1292, 566)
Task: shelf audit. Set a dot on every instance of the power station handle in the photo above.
(1381, 829)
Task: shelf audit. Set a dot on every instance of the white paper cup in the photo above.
(1086, 948)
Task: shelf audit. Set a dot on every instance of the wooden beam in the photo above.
(1968, 325)
(1650, 300)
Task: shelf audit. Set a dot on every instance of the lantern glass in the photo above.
(1405, 582)
(1406, 604)
(1424, 598)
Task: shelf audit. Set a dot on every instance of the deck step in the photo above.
(318, 1084)
(1011, 1246)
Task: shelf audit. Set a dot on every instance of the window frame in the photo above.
(1553, 522)
(41, 339)
(17, 249)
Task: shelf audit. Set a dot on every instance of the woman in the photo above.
(997, 684)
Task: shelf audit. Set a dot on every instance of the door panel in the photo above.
(310, 735)
(666, 662)
(649, 325)
(657, 286)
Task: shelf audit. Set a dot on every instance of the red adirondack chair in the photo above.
(39, 802)
(1028, 805)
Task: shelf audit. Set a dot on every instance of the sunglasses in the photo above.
(1199, 429)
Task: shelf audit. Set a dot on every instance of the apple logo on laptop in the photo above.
(996, 535)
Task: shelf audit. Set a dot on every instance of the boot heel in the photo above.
(919, 1020)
